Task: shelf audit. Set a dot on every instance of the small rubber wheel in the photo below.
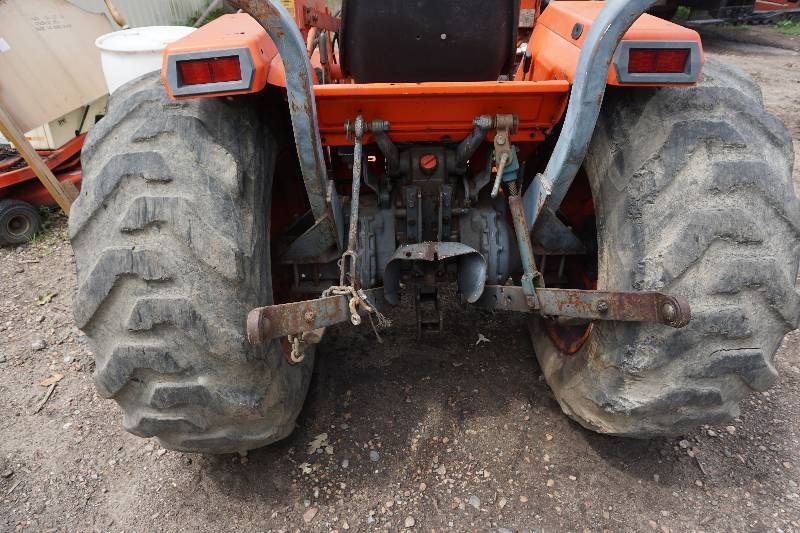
(19, 222)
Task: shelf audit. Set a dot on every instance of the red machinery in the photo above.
(21, 192)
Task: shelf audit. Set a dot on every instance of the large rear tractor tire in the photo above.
(693, 196)
(171, 240)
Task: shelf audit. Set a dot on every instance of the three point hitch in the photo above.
(421, 262)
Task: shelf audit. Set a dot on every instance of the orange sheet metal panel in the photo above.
(555, 52)
(229, 32)
(439, 111)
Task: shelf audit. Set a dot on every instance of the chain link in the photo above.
(357, 302)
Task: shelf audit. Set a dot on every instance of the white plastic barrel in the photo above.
(128, 54)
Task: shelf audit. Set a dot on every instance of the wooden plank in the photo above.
(64, 196)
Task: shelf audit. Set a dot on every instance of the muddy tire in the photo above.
(693, 196)
(171, 240)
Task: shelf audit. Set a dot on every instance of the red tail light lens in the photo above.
(213, 70)
(658, 60)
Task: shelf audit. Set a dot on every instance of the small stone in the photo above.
(7, 473)
(606, 515)
(422, 487)
(730, 429)
(374, 456)
(502, 503)
(523, 499)
(389, 504)
(441, 470)
(573, 478)
(551, 483)
(345, 462)
(656, 477)
(712, 433)
(504, 530)
(345, 525)
(684, 444)
(162, 451)
(698, 483)
(410, 521)
(787, 465)
(653, 524)
(309, 515)
(2, 358)
(38, 345)
(475, 502)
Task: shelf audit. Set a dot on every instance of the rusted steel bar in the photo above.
(653, 307)
(275, 321)
(531, 276)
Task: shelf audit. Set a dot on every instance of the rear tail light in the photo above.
(639, 62)
(211, 70)
(658, 60)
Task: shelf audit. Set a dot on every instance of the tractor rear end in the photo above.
(295, 169)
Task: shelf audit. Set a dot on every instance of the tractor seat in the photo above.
(397, 41)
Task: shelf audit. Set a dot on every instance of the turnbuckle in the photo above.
(355, 131)
(504, 154)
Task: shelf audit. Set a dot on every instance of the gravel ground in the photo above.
(443, 434)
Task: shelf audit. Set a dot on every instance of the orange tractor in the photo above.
(294, 168)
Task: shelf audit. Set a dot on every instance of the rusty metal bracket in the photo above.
(276, 321)
(471, 267)
(503, 151)
(653, 307)
(312, 246)
(315, 18)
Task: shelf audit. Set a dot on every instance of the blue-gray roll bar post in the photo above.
(591, 77)
(283, 30)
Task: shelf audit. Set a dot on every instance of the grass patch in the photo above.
(52, 232)
(683, 13)
(788, 27)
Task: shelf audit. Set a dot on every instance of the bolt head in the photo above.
(602, 306)
(669, 312)
(309, 316)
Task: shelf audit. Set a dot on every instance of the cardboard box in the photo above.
(49, 66)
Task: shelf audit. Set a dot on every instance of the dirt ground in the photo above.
(467, 437)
